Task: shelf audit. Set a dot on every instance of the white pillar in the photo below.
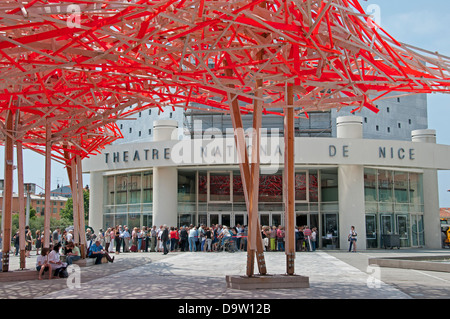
(165, 180)
(432, 228)
(351, 187)
(96, 195)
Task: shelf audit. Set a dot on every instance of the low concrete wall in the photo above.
(417, 263)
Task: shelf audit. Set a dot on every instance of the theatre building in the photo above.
(380, 186)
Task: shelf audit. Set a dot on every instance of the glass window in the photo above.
(330, 227)
(121, 189)
(238, 189)
(385, 182)
(264, 219)
(276, 220)
(186, 186)
(416, 190)
(313, 187)
(329, 189)
(370, 185)
(401, 187)
(403, 230)
(134, 187)
(202, 186)
(371, 231)
(147, 187)
(271, 188)
(300, 186)
(110, 190)
(108, 220)
(219, 186)
(134, 220)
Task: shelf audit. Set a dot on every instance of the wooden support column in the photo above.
(48, 167)
(73, 187)
(21, 194)
(289, 181)
(255, 173)
(254, 240)
(7, 193)
(81, 207)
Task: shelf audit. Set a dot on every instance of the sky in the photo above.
(425, 24)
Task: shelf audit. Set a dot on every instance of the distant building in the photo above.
(64, 191)
(57, 203)
(445, 215)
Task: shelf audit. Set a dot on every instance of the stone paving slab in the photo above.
(332, 275)
(175, 276)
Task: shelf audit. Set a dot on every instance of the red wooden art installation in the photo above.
(70, 69)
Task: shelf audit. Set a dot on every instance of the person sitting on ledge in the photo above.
(42, 264)
(97, 251)
(72, 253)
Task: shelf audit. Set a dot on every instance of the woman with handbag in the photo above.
(352, 236)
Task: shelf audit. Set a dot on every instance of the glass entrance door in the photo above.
(403, 230)
(417, 234)
(371, 231)
(220, 218)
(385, 227)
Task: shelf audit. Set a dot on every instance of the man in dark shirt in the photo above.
(183, 238)
(165, 239)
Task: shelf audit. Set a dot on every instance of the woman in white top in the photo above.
(54, 259)
(352, 239)
(107, 239)
(42, 264)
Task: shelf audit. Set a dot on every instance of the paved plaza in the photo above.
(201, 275)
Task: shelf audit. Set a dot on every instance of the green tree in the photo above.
(67, 211)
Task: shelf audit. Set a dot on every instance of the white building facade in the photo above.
(380, 186)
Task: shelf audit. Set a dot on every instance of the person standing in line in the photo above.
(55, 236)
(112, 235)
(192, 237)
(153, 239)
(38, 241)
(352, 236)
(300, 239)
(16, 240)
(173, 238)
(165, 239)
(145, 239)
(28, 241)
(273, 238)
(126, 240)
(117, 240)
(280, 238)
(107, 239)
(313, 238)
(183, 238)
(208, 236)
(307, 233)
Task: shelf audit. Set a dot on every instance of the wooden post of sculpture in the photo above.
(21, 194)
(289, 181)
(7, 192)
(72, 170)
(81, 207)
(255, 174)
(48, 166)
(250, 183)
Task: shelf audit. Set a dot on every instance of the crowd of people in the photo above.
(63, 251)
(196, 238)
